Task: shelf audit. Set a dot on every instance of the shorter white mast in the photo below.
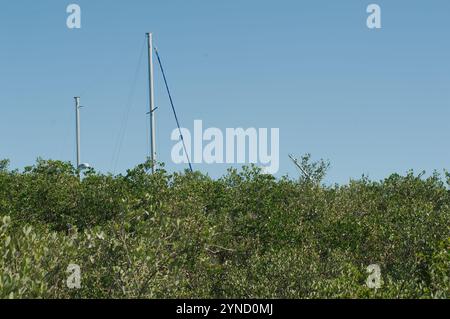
(77, 125)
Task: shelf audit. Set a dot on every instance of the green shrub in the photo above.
(245, 235)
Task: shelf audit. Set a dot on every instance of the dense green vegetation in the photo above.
(245, 235)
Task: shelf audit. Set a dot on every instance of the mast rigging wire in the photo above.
(173, 108)
(128, 106)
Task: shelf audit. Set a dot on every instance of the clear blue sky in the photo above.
(372, 102)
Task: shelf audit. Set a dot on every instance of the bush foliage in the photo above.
(245, 235)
